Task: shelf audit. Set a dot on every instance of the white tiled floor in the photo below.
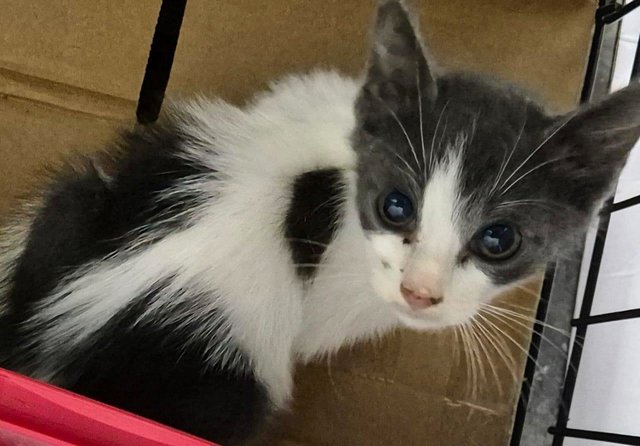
(607, 393)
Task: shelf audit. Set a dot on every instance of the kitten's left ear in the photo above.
(398, 75)
(592, 147)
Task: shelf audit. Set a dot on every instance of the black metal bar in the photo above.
(581, 331)
(616, 46)
(597, 436)
(163, 48)
(608, 12)
(594, 52)
(558, 431)
(625, 203)
(619, 12)
(534, 349)
(635, 69)
(607, 317)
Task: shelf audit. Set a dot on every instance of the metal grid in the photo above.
(608, 13)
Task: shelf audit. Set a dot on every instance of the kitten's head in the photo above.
(466, 187)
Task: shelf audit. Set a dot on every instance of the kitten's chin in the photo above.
(432, 319)
(421, 324)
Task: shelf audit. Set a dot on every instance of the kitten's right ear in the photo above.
(398, 74)
(592, 146)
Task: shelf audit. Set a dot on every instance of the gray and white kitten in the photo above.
(184, 278)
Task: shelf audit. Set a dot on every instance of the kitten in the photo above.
(183, 278)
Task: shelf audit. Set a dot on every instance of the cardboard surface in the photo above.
(34, 135)
(232, 48)
(70, 72)
(101, 46)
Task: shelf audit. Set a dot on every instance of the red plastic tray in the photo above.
(37, 414)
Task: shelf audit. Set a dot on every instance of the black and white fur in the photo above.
(183, 276)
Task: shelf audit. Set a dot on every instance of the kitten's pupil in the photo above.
(396, 208)
(497, 241)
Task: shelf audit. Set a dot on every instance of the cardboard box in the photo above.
(70, 73)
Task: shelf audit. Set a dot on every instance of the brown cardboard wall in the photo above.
(32, 136)
(231, 48)
(100, 46)
(70, 72)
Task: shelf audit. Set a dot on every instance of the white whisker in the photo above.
(536, 150)
(528, 328)
(444, 130)
(424, 156)
(541, 203)
(466, 354)
(527, 291)
(411, 179)
(506, 160)
(405, 162)
(501, 350)
(474, 363)
(404, 130)
(529, 172)
(524, 317)
(480, 338)
(507, 336)
(435, 133)
(479, 349)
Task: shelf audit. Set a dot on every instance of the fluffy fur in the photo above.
(220, 246)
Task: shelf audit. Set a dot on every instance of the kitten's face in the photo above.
(466, 188)
(450, 226)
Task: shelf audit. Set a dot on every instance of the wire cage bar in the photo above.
(608, 12)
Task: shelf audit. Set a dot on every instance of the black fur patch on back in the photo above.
(313, 217)
(86, 215)
(160, 371)
(157, 370)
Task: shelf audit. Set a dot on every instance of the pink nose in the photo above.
(419, 299)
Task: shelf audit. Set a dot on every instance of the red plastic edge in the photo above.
(38, 414)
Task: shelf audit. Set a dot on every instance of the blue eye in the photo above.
(396, 208)
(498, 241)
